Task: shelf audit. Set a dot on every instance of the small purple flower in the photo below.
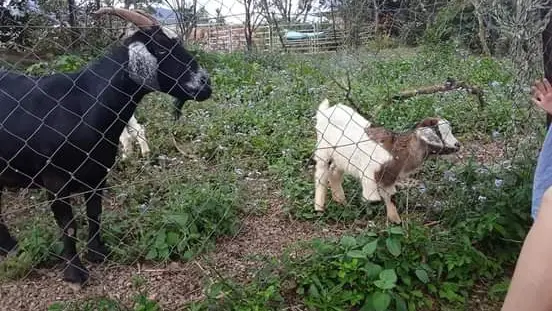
(450, 176)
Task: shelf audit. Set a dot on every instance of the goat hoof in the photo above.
(97, 254)
(7, 246)
(396, 220)
(75, 272)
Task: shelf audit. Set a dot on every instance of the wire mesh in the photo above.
(214, 207)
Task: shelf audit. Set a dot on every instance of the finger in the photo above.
(536, 93)
(547, 85)
(539, 86)
(537, 102)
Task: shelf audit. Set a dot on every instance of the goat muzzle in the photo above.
(138, 17)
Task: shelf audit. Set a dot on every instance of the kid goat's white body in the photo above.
(134, 131)
(343, 143)
(379, 158)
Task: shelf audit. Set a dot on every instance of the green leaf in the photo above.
(313, 291)
(152, 254)
(180, 219)
(388, 275)
(160, 239)
(188, 255)
(173, 238)
(372, 270)
(501, 287)
(396, 230)
(356, 254)
(382, 284)
(348, 241)
(393, 246)
(163, 253)
(370, 248)
(422, 275)
(406, 280)
(400, 304)
(381, 301)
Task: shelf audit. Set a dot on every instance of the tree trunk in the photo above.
(194, 19)
(72, 22)
(482, 33)
(376, 17)
(247, 26)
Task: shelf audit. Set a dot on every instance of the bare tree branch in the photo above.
(348, 96)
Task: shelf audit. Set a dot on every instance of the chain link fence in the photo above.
(216, 208)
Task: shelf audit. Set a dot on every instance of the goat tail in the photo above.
(325, 104)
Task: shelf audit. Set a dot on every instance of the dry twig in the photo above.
(349, 98)
(449, 85)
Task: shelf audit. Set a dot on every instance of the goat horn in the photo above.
(138, 19)
(146, 14)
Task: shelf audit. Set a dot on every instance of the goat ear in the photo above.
(380, 135)
(142, 65)
(427, 122)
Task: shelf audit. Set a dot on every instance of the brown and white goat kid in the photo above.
(134, 131)
(348, 143)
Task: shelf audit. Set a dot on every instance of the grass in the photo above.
(258, 129)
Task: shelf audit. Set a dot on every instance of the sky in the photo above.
(232, 10)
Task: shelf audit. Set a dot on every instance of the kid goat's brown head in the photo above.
(435, 133)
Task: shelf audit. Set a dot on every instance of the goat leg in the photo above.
(370, 190)
(97, 250)
(142, 141)
(321, 184)
(388, 196)
(74, 272)
(335, 182)
(7, 242)
(126, 141)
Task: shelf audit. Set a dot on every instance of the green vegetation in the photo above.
(464, 230)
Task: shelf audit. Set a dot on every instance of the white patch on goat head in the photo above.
(142, 65)
(446, 132)
(169, 33)
(197, 79)
(130, 29)
(428, 135)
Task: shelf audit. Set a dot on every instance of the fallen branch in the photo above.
(449, 85)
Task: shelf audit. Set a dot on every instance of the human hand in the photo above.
(542, 95)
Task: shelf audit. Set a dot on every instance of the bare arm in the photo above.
(532, 281)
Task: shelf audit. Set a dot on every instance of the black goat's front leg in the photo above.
(97, 251)
(7, 242)
(74, 271)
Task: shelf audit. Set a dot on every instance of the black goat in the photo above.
(61, 132)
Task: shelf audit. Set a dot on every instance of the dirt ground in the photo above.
(173, 284)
